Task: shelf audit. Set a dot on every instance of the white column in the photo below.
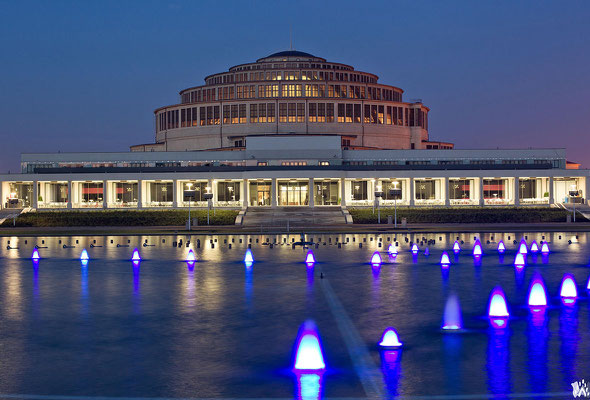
(35, 194)
(446, 192)
(516, 191)
(213, 187)
(342, 192)
(69, 195)
(139, 193)
(105, 193)
(2, 200)
(273, 192)
(175, 193)
(412, 195)
(551, 197)
(244, 189)
(310, 193)
(481, 202)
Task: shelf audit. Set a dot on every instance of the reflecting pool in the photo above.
(164, 324)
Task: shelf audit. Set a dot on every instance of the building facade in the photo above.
(291, 92)
(287, 170)
(293, 130)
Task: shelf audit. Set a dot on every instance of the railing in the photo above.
(429, 202)
(464, 202)
(498, 202)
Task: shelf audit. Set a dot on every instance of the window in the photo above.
(270, 112)
(293, 163)
(242, 111)
(360, 190)
(199, 188)
(527, 189)
(226, 114)
(254, 113)
(300, 112)
(228, 191)
(349, 113)
(161, 192)
(292, 112)
(194, 117)
(341, 113)
(425, 189)
(330, 112)
(313, 112)
(389, 116)
(324, 163)
(262, 164)
(321, 112)
(234, 114)
(91, 192)
(380, 115)
(282, 112)
(367, 114)
(459, 189)
(494, 188)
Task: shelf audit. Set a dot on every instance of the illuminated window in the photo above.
(242, 113)
(226, 114)
(341, 113)
(234, 114)
(312, 112)
(282, 112)
(330, 112)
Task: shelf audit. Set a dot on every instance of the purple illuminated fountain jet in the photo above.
(309, 258)
(519, 261)
(456, 247)
(568, 290)
(452, 316)
(390, 339)
(308, 349)
(35, 256)
(392, 250)
(444, 259)
(415, 248)
(522, 249)
(477, 250)
(545, 248)
(501, 247)
(534, 247)
(537, 299)
(376, 259)
(497, 308)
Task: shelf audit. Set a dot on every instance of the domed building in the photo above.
(291, 93)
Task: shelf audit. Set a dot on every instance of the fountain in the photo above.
(456, 247)
(444, 259)
(191, 257)
(568, 291)
(84, 256)
(415, 248)
(545, 248)
(477, 251)
(537, 299)
(135, 256)
(392, 250)
(522, 249)
(376, 259)
(390, 339)
(308, 350)
(426, 252)
(248, 258)
(534, 247)
(35, 256)
(588, 284)
(452, 315)
(501, 247)
(497, 308)
(309, 259)
(519, 260)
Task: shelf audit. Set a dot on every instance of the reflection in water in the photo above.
(308, 386)
(498, 362)
(248, 288)
(136, 292)
(84, 288)
(190, 288)
(568, 349)
(537, 336)
(391, 369)
(452, 361)
(519, 273)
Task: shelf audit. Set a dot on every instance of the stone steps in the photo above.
(294, 216)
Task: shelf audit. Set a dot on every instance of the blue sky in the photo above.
(86, 76)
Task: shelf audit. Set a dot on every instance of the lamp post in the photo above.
(396, 194)
(573, 194)
(378, 195)
(189, 193)
(208, 196)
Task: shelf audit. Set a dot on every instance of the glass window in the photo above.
(254, 113)
(226, 114)
(282, 112)
(293, 193)
(494, 188)
(126, 193)
(20, 195)
(234, 114)
(425, 189)
(200, 188)
(270, 112)
(326, 193)
(242, 113)
(260, 193)
(527, 189)
(330, 112)
(313, 112)
(360, 190)
(341, 116)
(380, 115)
(459, 189)
(91, 192)
(228, 191)
(161, 192)
(300, 112)
(349, 113)
(367, 114)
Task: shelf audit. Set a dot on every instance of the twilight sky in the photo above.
(87, 75)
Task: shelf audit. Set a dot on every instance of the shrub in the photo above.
(122, 218)
(464, 215)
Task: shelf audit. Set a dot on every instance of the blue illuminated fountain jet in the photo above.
(452, 320)
(588, 284)
(534, 247)
(415, 249)
(376, 259)
(248, 258)
(477, 250)
(497, 308)
(191, 257)
(35, 256)
(545, 248)
(135, 256)
(501, 247)
(568, 290)
(309, 258)
(537, 299)
(444, 260)
(519, 261)
(84, 255)
(456, 247)
(522, 249)
(308, 349)
(390, 339)
(392, 250)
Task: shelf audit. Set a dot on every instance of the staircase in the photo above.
(10, 213)
(293, 217)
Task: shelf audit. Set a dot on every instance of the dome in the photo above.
(291, 54)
